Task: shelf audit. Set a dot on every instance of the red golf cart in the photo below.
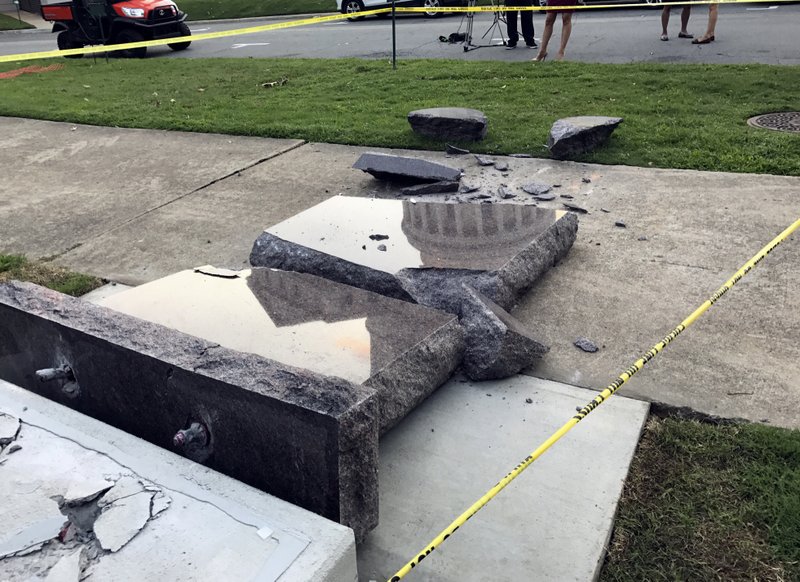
(93, 22)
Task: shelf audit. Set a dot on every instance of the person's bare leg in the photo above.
(665, 22)
(549, 20)
(566, 30)
(712, 19)
(687, 10)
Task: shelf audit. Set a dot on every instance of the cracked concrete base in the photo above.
(304, 437)
(205, 527)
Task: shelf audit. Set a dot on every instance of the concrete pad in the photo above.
(401, 350)
(103, 292)
(65, 184)
(254, 536)
(304, 437)
(742, 358)
(551, 524)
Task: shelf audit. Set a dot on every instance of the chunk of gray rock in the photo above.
(545, 197)
(501, 166)
(484, 161)
(505, 193)
(586, 345)
(449, 123)
(575, 208)
(574, 136)
(537, 188)
(497, 345)
(469, 188)
(620, 224)
(400, 168)
(431, 188)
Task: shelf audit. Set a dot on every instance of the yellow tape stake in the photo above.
(602, 397)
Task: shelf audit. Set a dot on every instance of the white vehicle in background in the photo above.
(355, 6)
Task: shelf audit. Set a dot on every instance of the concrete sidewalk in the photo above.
(134, 205)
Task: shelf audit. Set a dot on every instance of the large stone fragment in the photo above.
(304, 437)
(574, 136)
(433, 247)
(405, 169)
(450, 123)
(498, 346)
(401, 350)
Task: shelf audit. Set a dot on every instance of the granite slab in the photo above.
(421, 251)
(401, 350)
(307, 438)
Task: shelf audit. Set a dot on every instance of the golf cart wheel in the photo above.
(432, 8)
(353, 7)
(129, 35)
(65, 41)
(181, 46)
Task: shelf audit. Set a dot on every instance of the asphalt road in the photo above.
(746, 33)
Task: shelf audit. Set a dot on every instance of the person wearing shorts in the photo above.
(566, 29)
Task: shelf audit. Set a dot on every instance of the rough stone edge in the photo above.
(189, 353)
(516, 277)
(438, 355)
(274, 252)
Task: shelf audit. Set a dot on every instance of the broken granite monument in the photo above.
(402, 351)
(574, 136)
(431, 250)
(449, 123)
(305, 437)
(497, 344)
(405, 169)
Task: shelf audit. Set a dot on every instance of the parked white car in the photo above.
(355, 6)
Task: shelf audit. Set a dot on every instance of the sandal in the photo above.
(539, 58)
(706, 40)
(664, 37)
(685, 35)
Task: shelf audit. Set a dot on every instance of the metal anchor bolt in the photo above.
(196, 434)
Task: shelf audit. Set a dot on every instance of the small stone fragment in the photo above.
(529, 400)
(567, 196)
(469, 188)
(484, 161)
(14, 449)
(520, 156)
(382, 248)
(575, 208)
(449, 123)
(620, 224)
(379, 237)
(455, 151)
(642, 238)
(505, 193)
(605, 210)
(480, 197)
(556, 185)
(545, 197)
(586, 180)
(586, 345)
(432, 188)
(501, 166)
(537, 188)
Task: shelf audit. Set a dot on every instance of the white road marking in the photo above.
(246, 44)
(767, 8)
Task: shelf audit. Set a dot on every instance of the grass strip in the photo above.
(57, 278)
(11, 23)
(709, 502)
(676, 116)
(215, 9)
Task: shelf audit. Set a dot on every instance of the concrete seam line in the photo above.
(272, 156)
(607, 393)
(335, 17)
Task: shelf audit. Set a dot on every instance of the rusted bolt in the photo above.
(49, 374)
(196, 434)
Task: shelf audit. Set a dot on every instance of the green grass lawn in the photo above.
(706, 502)
(11, 23)
(42, 273)
(681, 116)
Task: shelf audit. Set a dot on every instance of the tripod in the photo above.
(499, 19)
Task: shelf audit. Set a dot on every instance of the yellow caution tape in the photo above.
(602, 397)
(334, 17)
